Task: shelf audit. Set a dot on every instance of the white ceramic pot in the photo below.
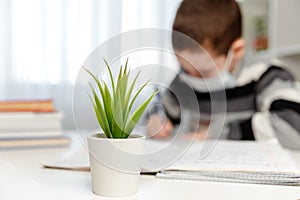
(115, 164)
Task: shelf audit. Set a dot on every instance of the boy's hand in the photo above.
(199, 135)
(159, 128)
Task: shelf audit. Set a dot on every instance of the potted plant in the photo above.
(115, 154)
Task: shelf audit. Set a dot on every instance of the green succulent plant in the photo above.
(113, 107)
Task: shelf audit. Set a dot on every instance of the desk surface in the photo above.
(23, 177)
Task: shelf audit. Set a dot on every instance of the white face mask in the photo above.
(224, 79)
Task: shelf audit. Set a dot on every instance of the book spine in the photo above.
(27, 125)
(34, 142)
(29, 116)
(27, 106)
(32, 133)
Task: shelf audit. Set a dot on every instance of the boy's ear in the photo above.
(238, 48)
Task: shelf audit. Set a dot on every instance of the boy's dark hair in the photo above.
(216, 22)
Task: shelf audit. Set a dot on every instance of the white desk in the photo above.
(23, 177)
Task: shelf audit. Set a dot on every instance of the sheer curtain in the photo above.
(44, 42)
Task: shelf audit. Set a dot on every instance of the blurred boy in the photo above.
(262, 102)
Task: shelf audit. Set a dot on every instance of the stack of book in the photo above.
(30, 123)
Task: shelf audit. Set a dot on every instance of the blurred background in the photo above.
(44, 42)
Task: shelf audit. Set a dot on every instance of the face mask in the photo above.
(222, 80)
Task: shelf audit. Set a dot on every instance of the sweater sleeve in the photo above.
(278, 108)
(171, 107)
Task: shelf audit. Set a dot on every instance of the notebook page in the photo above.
(237, 156)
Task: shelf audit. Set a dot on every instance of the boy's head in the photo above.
(214, 24)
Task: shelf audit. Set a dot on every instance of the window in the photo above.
(44, 42)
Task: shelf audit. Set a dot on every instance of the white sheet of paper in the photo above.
(78, 160)
(237, 156)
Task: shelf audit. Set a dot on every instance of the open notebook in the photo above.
(239, 162)
(229, 161)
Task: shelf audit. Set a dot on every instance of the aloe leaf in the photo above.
(100, 111)
(123, 90)
(116, 130)
(119, 79)
(101, 123)
(125, 80)
(110, 74)
(125, 69)
(135, 117)
(104, 96)
(128, 95)
(93, 76)
(134, 98)
(107, 103)
(120, 83)
(118, 125)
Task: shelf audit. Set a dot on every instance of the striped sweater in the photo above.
(263, 105)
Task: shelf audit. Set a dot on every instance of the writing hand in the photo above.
(158, 128)
(198, 135)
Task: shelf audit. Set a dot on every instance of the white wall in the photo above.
(293, 64)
